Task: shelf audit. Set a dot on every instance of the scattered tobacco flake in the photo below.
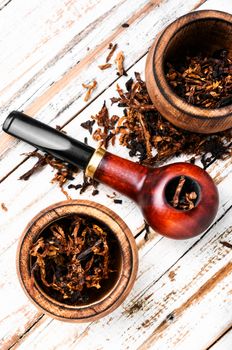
(119, 61)
(203, 81)
(112, 49)
(88, 182)
(152, 138)
(90, 88)
(95, 192)
(182, 193)
(4, 207)
(64, 171)
(105, 66)
(103, 120)
(88, 125)
(42, 161)
(86, 140)
(76, 187)
(75, 260)
(226, 244)
(117, 201)
(113, 195)
(125, 25)
(135, 308)
(129, 84)
(147, 231)
(179, 188)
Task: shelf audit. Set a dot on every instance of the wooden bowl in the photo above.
(114, 296)
(200, 31)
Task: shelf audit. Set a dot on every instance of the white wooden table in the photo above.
(182, 298)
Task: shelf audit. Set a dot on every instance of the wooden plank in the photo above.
(59, 98)
(178, 305)
(36, 194)
(167, 250)
(158, 265)
(189, 311)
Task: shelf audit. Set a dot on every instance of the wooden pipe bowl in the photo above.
(197, 32)
(118, 292)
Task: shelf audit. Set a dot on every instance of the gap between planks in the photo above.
(4, 5)
(74, 116)
(203, 290)
(12, 139)
(224, 333)
(37, 104)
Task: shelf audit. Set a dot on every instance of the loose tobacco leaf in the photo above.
(64, 171)
(118, 201)
(75, 260)
(145, 133)
(103, 120)
(112, 49)
(4, 207)
(90, 88)
(185, 194)
(119, 61)
(88, 125)
(105, 66)
(154, 139)
(203, 81)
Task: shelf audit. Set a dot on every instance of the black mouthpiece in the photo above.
(48, 139)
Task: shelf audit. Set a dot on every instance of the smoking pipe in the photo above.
(150, 188)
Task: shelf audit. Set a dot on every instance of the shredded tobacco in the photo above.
(152, 138)
(119, 61)
(184, 201)
(4, 207)
(64, 171)
(118, 201)
(112, 48)
(144, 132)
(203, 81)
(88, 125)
(105, 66)
(90, 88)
(147, 231)
(73, 260)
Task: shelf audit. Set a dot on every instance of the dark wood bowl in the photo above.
(200, 31)
(114, 296)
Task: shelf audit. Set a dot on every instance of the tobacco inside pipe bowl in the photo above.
(72, 286)
(200, 33)
(148, 187)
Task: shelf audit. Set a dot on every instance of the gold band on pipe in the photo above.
(94, 162)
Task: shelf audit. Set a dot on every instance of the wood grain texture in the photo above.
(153, 301)
(42, 96)
(170, 272)
(162, 253)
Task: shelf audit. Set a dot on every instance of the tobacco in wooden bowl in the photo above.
(77, 261)
(198, 34)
